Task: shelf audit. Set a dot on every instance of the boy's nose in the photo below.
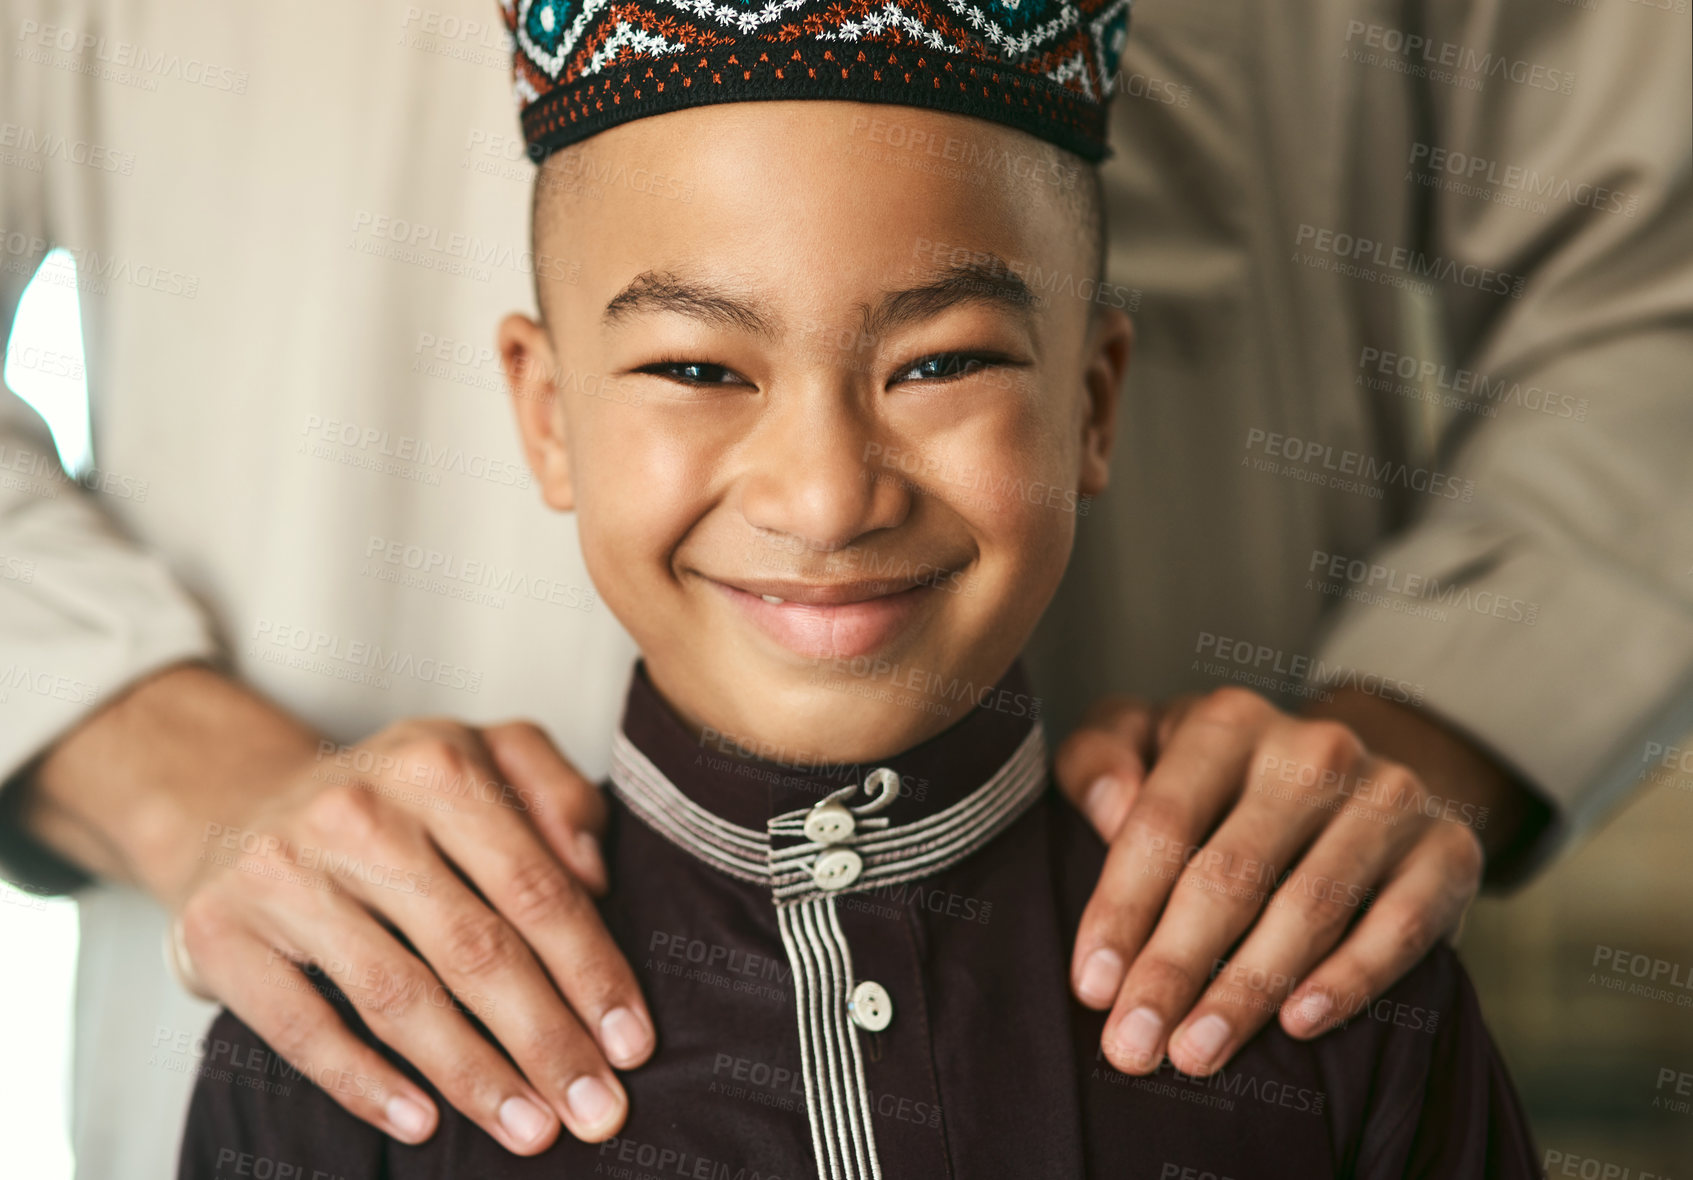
(806, 475)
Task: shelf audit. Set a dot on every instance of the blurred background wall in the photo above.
(1587, 979)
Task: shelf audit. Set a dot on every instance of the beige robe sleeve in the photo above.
(83, 612)
(1583, 503)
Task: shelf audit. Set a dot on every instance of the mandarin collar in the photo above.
(935, 774)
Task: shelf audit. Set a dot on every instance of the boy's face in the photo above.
(825, 457)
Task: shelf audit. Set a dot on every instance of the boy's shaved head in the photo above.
(570, 174)
(1089, 213)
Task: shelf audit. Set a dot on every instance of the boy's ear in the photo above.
(1110, 341)
(526, 355)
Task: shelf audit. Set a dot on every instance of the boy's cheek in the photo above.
(635, 503)
(622, 571)
(1009, 474)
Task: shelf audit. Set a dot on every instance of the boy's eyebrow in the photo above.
(663, 291)
(986, 279)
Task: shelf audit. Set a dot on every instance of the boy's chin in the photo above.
(834, 712)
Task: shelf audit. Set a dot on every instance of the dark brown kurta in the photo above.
(986, 1069)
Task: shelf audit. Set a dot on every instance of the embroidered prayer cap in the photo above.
(1047, 67)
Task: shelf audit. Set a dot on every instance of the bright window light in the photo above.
(44, 360)
(44, 366)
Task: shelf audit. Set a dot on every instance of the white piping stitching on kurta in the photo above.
(837, 1099)
(890, 855)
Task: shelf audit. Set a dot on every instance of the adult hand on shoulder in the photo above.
(1333, 865)
(478, 846)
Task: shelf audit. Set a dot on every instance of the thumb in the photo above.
(1101, 766)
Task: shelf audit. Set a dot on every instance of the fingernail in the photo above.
(1100, 800)
(409, 1118)
(1102, 975)
(591, 1101)
(588, 856)
(1138, 1033)
(625, 1036)
(1204, 1038)
(1313, 1009)
(522, 1119)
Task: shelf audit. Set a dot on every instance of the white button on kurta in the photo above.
(870, 1007)
(837, 868)
(829, 823)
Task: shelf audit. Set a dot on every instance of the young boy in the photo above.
(827, 411)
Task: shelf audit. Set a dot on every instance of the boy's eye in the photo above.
(947, 366)
(692, 372)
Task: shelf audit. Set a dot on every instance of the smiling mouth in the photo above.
(829, 620)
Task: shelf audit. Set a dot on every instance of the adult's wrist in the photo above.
(128, 794)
